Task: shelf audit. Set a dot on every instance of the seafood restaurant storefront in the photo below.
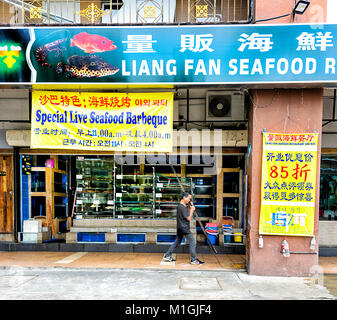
(116, 123)
(93, 194)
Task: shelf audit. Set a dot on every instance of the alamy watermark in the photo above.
(190, 147)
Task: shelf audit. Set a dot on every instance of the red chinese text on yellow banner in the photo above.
(288, 184)
(102, 121)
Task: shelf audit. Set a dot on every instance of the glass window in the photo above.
(38, 181)
(328, 188)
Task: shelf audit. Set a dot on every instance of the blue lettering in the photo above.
(38, 115)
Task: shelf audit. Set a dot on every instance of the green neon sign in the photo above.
(11, 57)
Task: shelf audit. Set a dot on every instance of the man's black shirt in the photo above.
(182, 224)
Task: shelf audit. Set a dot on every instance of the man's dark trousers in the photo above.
(177, 242)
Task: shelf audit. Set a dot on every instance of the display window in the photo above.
(68, 188)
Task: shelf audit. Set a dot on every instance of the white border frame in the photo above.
(320, 83)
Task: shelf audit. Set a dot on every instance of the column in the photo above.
(280, 111)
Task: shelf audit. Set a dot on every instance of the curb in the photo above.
(113, 247)
(60, 268)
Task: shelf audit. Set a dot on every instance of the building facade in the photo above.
(89, 194)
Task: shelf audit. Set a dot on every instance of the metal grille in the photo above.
(45, 12)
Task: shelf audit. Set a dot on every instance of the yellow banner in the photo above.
(288, 185)
(102, 121)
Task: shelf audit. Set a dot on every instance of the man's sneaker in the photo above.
(197, 262)
(168, 259)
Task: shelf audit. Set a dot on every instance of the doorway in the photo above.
(6, 197)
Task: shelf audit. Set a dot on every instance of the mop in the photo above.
(195, 212)
(51, 223)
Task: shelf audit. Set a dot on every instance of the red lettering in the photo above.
(273, 172)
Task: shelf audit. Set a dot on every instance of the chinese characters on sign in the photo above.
(288, 184)
(256, 41)
(310, 41)
(102, 121)
(306, 41)
(139, 44)
(196, 43)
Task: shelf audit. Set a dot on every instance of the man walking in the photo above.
(185, 211)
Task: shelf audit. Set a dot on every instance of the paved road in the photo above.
(116, 284)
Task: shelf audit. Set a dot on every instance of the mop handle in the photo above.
(195, 211)
(51, 220)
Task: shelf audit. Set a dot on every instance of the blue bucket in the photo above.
(212, 229)
(227, 239)
(211, 226)
(212, 232)
(211, 236)
(227, 228)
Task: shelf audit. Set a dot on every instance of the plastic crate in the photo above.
(90, 237)
(131, 237)
(63, 226)
(168, 238)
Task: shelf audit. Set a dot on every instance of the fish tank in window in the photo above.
(203, 186)
(60, 182)
(231, 182)
(38, 181)
(60, 207)
(62, 163)
(204, 207)
(231, 207)
(38, 206)
(39, 161)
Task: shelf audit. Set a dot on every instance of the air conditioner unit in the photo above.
(225, 105)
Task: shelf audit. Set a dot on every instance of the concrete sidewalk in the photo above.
(142, 284)
(144, 276)
(118, 260)
(127, 260)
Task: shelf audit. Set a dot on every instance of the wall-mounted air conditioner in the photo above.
(225, 105)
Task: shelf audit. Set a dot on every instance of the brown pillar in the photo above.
(280, 111)
(288, 111)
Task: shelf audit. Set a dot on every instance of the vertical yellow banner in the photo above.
(288, 184)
